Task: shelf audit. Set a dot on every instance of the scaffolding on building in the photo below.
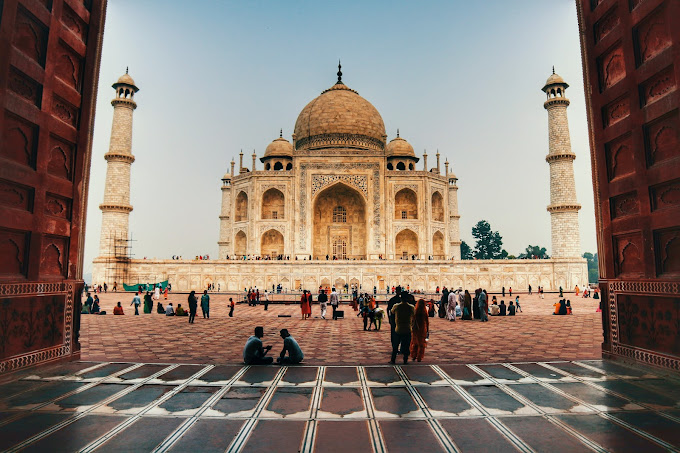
(118, 261)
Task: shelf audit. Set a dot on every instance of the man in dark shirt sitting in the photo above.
(254, 353)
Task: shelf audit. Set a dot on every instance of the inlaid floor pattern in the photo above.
(591, 405)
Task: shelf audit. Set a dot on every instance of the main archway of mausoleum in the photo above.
(340, 219)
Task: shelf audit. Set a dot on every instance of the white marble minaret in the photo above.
(563, 208)
(116, 207)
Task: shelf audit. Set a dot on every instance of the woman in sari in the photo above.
(467, 306)
(419, 330)
(148, 303)
(305, 305)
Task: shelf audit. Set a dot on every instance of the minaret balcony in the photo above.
(115, 207)
(563, 207)
(560, 156)
(554, 102)
(119, 157)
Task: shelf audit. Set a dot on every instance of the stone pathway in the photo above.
(590, 405)
(533, 335)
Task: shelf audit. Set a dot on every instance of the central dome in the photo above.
(340, 118)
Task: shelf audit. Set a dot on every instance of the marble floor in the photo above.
(590, 405)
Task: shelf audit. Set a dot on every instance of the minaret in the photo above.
(563, 208)
(454, 217)
(116, 207)
(225, 222)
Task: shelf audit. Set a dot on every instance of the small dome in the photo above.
(555, 79)
(125, 78)
(227, 175)
(399, 147)
(279, 148)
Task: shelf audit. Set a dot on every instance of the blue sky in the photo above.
(218, 77)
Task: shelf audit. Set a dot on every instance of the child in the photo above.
(568, 307)
(519, 309)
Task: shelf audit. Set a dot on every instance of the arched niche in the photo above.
(240, 244)
(273, 204)
(437, 207)
(405, 205)
(271, 243)
(241, 206)
(406, 244)
(438, 245)
(340, 222)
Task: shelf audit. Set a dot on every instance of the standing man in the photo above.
(539, 289)
(231, 307)
(193, 306)
(266, 300)
(443, 303)
(390, 304)
(205, 304)
(481, 300)
(403, 317)
(157, 292)
(254, 353)
(334, 303)
(136, 301)
(323, 299)
(106, 287)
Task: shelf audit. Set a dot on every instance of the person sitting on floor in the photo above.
(169, 310)
(159, 309)
(181, 311)
(503, 308)
(494, 309)
(118, 309)
(85, 310)
(568, 307)
(95, 306)
(295, 354)
(253, 352)
(557, 307)
(561, 308)
(511, 309)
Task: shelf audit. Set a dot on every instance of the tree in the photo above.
(593, 267)
(489, 245)
(534, 251)
(465, 251)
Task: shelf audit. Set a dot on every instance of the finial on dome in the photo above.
(126, 69)
(281, 133)
(553, 69)
(339, 73)
(397, 132)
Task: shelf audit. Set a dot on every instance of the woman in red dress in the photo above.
(420, 328)
(305, 304)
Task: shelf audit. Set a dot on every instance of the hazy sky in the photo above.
(217, 77)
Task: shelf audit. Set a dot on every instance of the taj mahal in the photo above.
(340, 204)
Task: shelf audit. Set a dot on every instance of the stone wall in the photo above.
(235, 275)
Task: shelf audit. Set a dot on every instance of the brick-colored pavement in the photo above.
(534, 335)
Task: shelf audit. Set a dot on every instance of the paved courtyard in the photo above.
(590, 405)
(533, 335)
